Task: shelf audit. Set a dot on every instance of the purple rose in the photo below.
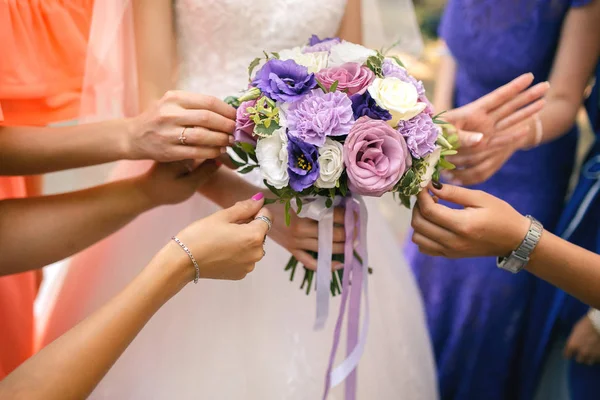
(429, 109)
(420, 133)
(319, 115)
(365, 105)
(244, 126)
(352, 78)
(284, 80)
(303, 166)
(376, 157)
(315, 44)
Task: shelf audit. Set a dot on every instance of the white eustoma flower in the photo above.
(331, 164)
(272, 156)
(432, 160)
(314, 62)
(398, 97)
(346, 52)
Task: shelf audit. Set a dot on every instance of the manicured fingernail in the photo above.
(437, 184)
(223, 150)
(258, 196)
(218, 163)
(475, 138)
(231, 140)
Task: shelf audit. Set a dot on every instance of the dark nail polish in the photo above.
(437, 184)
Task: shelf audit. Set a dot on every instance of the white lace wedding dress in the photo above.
(251, 339)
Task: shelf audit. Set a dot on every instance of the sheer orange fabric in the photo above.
(44, 46)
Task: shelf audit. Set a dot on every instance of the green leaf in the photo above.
(445, 164)
(276, 192)
(442, 141)
(405, 200)
(334, 86)
(270, 201)
(276, 55)
(247, 147)
(328, 202)
(240, 153)
(288, 216)
(400, 63)
(266, 131)
(299, 204)
(232, 101)
(247, 169)
(343, 186)
(323, 88)
(449, 152)
(332, 193)
(253, 65)
(436, 116)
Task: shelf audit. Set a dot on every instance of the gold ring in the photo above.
(182, 136)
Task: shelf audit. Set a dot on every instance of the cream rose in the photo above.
(331, 164)
(400, 98)
(272, 156)
(432, 160)
(346, 52)
(314, 62)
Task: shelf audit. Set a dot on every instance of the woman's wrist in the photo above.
(172, 268)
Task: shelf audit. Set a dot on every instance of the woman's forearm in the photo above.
(72, 366)
(567, 266)
(443, 94)
(37, 231)
(29, 150)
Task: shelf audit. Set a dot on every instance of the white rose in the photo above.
(331, 164)
(272, 156)
(399, 98)
(314, 62)
(345, 52)
(431, 160)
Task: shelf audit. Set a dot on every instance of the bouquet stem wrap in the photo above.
(354, 284)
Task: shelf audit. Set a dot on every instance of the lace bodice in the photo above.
(217, 39)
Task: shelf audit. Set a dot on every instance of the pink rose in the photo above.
(352, 78)
(244, 126)
(376, 157)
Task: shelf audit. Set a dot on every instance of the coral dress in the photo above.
(41, 72)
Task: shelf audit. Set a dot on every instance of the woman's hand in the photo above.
(584, 343)
(487, 226)
(172, 183)
(226, 245)
(155, 134)
(303, 233)
(499, 116)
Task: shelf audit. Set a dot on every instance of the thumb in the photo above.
(460, 195)
(244, 210)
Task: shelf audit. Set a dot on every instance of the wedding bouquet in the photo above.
(333, 119)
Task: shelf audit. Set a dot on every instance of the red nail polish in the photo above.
(258, 196)
(218, 163)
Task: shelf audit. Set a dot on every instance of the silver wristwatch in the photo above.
(517, 260)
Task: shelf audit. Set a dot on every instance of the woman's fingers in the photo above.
(205, 119)
(428, 246)
(521, 115)
(528, 97)
(505, 93)
(197, 136)
(430, 230)
(196, 101)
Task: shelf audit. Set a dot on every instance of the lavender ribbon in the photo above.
(316, 209)
(356, 232)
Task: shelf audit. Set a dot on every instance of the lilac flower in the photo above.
(284, 80)
(420, 133)
(315, 44)
(244, 126)
(364, 105)
(319, 115)
(303, 165)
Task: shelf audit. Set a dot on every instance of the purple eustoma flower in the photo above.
(364, 105)
(284, 80)
(303, 166)
(319, 115)
(315, 44)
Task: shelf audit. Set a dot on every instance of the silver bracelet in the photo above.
(594, 316)
(189, 253)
